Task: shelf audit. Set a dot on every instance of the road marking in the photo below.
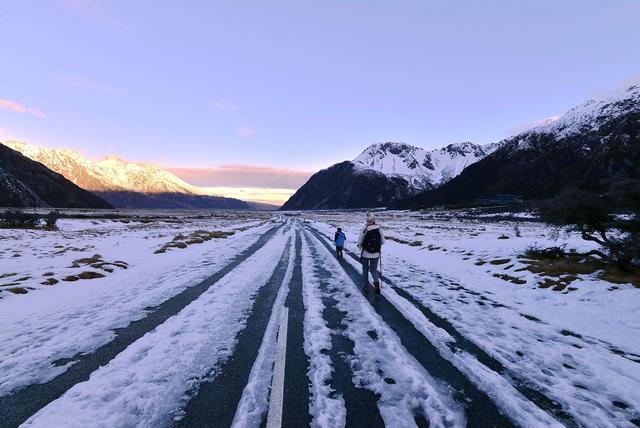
(274, 417)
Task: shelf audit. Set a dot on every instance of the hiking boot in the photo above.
(377, 286)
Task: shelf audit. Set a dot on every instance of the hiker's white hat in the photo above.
(371, 218)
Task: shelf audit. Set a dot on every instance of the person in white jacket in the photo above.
(370, 244)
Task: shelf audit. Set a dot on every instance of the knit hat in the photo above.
(371, 218)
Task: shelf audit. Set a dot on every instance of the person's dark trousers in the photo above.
(339, 252)
(369, 265)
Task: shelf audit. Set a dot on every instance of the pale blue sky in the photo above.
(299, 84)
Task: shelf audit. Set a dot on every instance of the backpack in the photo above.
(340, 238)
(372, 241)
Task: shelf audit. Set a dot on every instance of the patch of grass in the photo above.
(550, 267)
(618, 276)
(50, 281)
(503, 237)
(90, 275)
(18, 290)
(510, 278)
(558, 284)
(86, 261)
(182, 241)
(415, 244)
(480, 263)
(70, 278)
(500, 261)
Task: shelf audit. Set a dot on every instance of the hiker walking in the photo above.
(339, 238)
(370, 243)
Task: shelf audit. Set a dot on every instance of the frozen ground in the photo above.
(172, 319)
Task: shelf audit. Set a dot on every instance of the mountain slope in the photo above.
(592, 146)
(125, 184)
(343, 186)
(27, 183)
(383, 173)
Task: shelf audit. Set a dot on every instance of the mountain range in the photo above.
(125, 184)
(27, 183)
(383, 173)
(595, 145)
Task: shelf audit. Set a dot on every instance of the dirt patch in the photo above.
(70, 278)
(500, 261)
(480, 263)
(50, 281)
(18, 290)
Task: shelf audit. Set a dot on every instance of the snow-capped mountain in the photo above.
(423, 169)
(590, 115)
(382, 173)
(110, 174)
(595, 146)
(26, 183)
(125, 184)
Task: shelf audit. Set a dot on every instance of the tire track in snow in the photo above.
(460, 345)
(296, 380)
(217, 400)
(480, 409)
(378, 379)
(17, 407)
(147, 384)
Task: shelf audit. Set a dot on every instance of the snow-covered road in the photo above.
(201, 351)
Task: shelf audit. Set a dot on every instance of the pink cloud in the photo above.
(246, 132)
(19, 108)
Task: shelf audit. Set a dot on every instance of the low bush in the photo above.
(18, 219)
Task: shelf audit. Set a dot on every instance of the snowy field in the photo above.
(161, 319)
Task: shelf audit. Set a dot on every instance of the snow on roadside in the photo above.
(506, 396)
(146, 384)
(254, 404)
(326, 411)
(61, 321)
(413, 387)
(574, 348)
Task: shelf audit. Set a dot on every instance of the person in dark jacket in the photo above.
(339, 239)
(370, 243)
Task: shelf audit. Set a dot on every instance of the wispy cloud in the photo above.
(524, 127)
(85, 83)
(225, 106)
(20, 108)
(246, 132)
